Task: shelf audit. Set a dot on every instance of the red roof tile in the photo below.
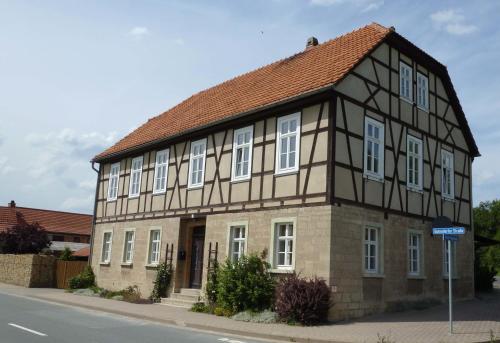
(312, 69)
(52, 221)
(84, 252)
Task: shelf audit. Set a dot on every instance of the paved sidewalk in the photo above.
(474, 320)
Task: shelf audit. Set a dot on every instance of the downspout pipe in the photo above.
(94, 216)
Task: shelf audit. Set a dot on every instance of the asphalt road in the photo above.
(24, 320)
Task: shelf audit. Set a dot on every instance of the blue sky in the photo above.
(77, 75)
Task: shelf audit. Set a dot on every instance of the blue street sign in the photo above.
(450, 237)
(448, 231)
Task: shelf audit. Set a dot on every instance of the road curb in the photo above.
(181, 324)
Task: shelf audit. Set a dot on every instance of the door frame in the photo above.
(197, 233)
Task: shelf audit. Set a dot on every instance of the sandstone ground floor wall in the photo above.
(357, 293)
(328, 243)
(117, 275)
(312, 240)
(27, 270)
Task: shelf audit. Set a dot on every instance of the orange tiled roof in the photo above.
(312, 69)
(52, 221)
(84, 252)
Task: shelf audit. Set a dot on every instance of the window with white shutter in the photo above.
(422, 91)
(414, 163)
(374, 148)
(161, 172)
(405, 81)
(114, 177)
(288, 143)
(197, 163)
(135, 177)
(242, 153)
(448, 175)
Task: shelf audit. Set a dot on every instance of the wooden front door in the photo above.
(196, 270)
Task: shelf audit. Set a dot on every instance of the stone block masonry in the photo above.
(27, 270)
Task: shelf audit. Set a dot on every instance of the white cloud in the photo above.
(5, 167)
(179, 41)
(77, 203)
(139, 32)
(366, 5)
(453, 22)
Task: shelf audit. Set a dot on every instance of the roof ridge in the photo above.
(45, 210)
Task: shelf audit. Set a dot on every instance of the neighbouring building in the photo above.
(64, 229)
(335, 161)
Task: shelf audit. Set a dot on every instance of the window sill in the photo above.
(134, 196)
(105, 264)
(285, 173)
(192, 188)
(240, 180)
(373, 275)
(416, 277)
(148, 266)
(414, 189)
(282, 271)
(111, 200)
(127, 264)
(426, 110)
(409, 101)
(373, 178)
(446, 198)
(160, 193)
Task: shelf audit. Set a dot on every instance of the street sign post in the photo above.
(449, 234)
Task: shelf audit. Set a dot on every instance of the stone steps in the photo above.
(186, 298)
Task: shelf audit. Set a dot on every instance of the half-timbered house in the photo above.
(334, 161)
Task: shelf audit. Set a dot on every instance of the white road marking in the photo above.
(26, 329)
(230, 340)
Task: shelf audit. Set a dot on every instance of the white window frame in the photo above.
(241, 241)
(381, 144)
(274, 246)
(149, 255)
(445, 258)
(243, 131)
(422, 91)
(199, 143)
(378, 244)
(103, 245)
(412, 157)
(126, 243)
(288, 135)
(447, 162)
(161, 167)
(420, 252)
(113, 181)
(133, 171)
(403, 67)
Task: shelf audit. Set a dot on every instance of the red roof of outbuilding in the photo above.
(52, 221)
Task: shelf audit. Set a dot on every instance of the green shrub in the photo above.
(212, 285)
(219, 311)
(306, 301)
(85, 279)
(67, 255)
(245, 284)
(484, 276)
(200, 307)
(162, 282)
(131, 294)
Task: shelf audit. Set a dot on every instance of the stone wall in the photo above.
(27, 270)
(117, 275)
(357, 294)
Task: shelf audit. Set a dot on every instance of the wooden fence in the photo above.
(65, 270)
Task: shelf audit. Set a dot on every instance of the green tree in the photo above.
(487, 224)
